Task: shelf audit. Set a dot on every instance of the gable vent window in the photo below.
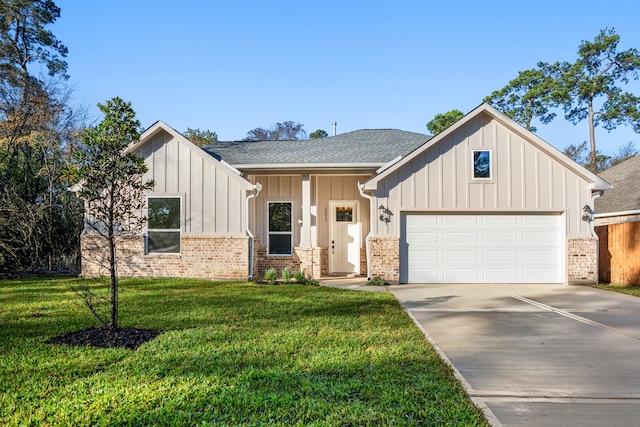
(163, 225)
(280, 229)
(481, 164)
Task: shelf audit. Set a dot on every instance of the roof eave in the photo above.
(368, 168)
(620, 213)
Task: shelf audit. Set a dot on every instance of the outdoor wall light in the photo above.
(384, 214)
(587, 215)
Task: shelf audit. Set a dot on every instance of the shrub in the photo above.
(377, 281)
(286, 275)
(299, 276)
(270, 276)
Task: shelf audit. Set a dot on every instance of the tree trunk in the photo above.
(592, 137)
(114, 282)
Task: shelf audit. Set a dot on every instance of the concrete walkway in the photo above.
(537, 355)
(357, 283)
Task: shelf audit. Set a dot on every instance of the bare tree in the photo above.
(288, 130)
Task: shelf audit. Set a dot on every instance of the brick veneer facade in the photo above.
(207, 257)
(582, 260)
(385, 258)
(227, 258)
(314, 261)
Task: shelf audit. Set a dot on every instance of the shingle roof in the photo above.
(368, 146)
(625, 194)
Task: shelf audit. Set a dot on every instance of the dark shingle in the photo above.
(625, 194)
(377, 146)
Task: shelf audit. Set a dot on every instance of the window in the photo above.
(344, 214)
(482, 164)
(280, 230)
(163, 225)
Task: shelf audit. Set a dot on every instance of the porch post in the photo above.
(305, 230)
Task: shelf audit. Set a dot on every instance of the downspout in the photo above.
(594, 196)
(256, 190)
(592, 225)
(371, 222)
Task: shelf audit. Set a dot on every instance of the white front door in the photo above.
(344, 245)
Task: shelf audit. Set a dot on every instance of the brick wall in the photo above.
(314, 261)
(385, 258)
(582, 260)
(200, 257)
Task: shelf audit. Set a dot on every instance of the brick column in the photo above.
(582, 260)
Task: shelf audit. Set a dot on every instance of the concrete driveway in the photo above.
(537, 355)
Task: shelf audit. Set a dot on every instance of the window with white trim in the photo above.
(481, 164)
(163, 225)
(280, 228)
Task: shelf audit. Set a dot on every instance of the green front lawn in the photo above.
(230, 354)
(623, 289)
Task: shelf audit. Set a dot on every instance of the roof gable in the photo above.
(159, 127)
(597, 182)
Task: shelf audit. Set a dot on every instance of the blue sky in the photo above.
(230, 66)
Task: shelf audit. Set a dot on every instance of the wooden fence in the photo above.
(619, 253)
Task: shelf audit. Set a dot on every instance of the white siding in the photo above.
(213, 195)
(524, 179)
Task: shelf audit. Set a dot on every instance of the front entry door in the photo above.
(344, 245)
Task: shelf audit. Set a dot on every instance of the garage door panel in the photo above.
(537, 220)
(460, 256)
(500, 256)
(540, 256)
(459, 220)
(470, 248)
(418, 260)
(541, 237)
(423, 238)
(500, 237)
(499, 220)
(535, 275)
(426, 275)
(469, 274)
(456, 237)
(501, 274)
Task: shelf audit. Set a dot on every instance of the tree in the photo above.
(597, 75)
(201, 137)
(112, 188)
(625, 152)
(39, 222)
(281, 131)
(581, 155)
(442, 121)
(527, 97)
(317, 134)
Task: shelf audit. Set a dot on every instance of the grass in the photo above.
(230, 354)
(623, 289)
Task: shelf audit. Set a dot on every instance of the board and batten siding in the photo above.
(212, 194)
(340, 187)
(524, 179)
(324, 188)
(276, 188)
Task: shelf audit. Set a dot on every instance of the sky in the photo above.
(234, 65)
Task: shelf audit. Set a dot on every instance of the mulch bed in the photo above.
(105, 337)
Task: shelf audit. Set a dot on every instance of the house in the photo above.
(617, 223)
(486, 201)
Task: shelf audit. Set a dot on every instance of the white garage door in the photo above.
(482, 249)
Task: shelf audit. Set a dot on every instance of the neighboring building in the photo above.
(485, 201)
(617, 221)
